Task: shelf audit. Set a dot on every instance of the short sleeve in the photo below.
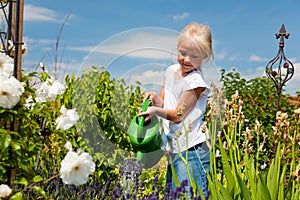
(195, 80)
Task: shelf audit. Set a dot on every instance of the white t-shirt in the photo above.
(191, 126)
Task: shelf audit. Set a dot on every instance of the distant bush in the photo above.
(259, 102)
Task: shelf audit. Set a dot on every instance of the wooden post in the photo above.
(18, 38)
(16, 10)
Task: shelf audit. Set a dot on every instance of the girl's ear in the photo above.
(204, 57)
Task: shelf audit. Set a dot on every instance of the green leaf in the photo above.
(223, 194)
(16, 146)
(40, 191)
(22, 181)
(44, 76)
(175, 178)
(227, 170)
(281, 186)
(212, 187)
(262, 190)
(251, 174)
(37, 178)
(31, 147)
(273, 174)
(5, 140)
(17, 196)
(245, 193)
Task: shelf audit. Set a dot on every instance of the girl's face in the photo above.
(189, 57)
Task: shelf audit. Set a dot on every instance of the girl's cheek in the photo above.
(180, 59)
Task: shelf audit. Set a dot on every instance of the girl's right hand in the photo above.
(149, 95)
(154, 99)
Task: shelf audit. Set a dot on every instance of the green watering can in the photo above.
(146, 138)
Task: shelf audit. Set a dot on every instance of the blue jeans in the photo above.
(198, 164)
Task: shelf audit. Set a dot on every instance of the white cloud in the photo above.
(39, 14)
(152, 43)
(29, 40)
(221, 55)
(149, 77)
(224, 54)
(256, 58)
(293, 60)
(181, 16)
(254, 73)
(128, 50)
(234, 56)
(212, 73)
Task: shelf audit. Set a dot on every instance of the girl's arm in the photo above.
(187, 101)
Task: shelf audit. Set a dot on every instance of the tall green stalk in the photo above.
(242, 175)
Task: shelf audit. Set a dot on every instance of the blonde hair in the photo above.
(200, 35)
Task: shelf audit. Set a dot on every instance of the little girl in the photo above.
(182, 105)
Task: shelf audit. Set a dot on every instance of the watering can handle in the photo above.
(144, 108)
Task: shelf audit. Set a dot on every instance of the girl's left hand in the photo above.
(149, 113)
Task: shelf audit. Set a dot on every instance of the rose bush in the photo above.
(41, 116)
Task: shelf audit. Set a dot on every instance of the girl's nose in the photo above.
(186, 59)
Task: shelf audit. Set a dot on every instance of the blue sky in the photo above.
(136, 40)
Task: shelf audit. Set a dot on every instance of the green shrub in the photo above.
(259, 104)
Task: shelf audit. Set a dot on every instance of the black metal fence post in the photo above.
(285, 69)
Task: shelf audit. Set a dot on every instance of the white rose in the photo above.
(49, 90)
(5, 191)
(10, 91)
(68, 146)
(6, 65)
(56, 88)
(29, 103)
(76, 167)
(67, 119)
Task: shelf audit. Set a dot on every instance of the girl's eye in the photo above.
(195, 56)
(182, 53)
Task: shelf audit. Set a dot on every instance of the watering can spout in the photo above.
(146, 138)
